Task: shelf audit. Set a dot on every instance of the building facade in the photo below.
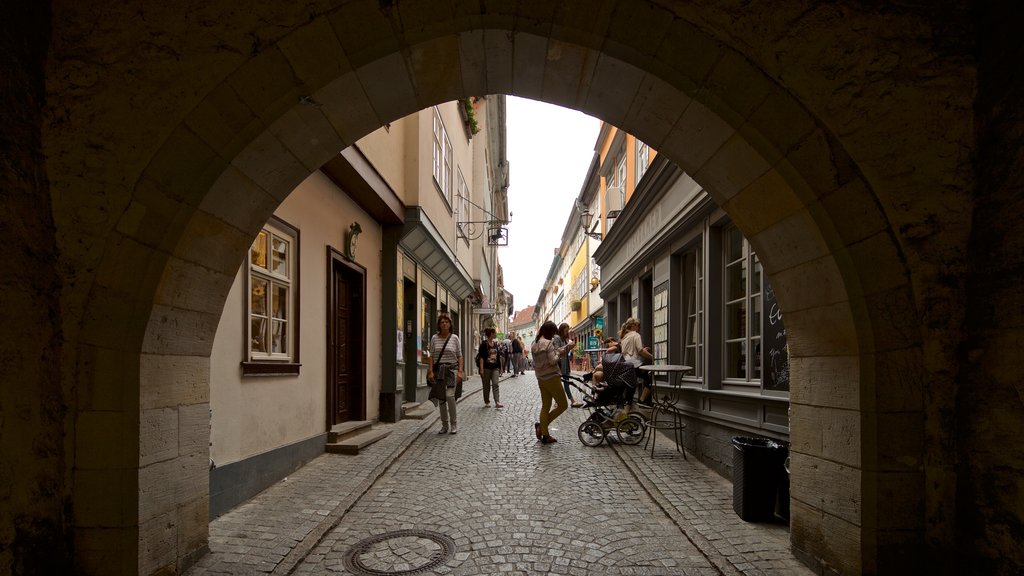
(328, 318)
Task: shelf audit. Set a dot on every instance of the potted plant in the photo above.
(575, 305)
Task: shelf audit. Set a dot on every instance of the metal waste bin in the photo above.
(757, 476)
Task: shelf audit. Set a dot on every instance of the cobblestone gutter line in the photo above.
(389, 459)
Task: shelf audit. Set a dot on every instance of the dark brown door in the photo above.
(346, 387)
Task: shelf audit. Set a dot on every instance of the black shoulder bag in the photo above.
(438, 388)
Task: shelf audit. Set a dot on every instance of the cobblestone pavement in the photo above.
(492, 500)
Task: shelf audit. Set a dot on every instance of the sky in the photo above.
(549, 150)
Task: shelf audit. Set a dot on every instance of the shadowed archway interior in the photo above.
(170, 143)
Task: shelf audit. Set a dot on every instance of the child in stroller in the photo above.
(609, 395)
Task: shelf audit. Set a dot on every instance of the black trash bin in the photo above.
(757, 476)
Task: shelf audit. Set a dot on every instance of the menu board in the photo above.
(776, 352)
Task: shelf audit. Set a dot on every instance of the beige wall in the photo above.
(252, 415)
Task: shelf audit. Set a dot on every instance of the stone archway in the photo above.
(172, 142)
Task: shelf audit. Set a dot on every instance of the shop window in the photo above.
(660, 325)
(428, 310)
(741, 285)
(693, 304)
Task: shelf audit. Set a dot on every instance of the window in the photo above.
(271, 306)
(741, 284)
(442, 158)
(643, 159)
(693, 295)
(620, 177)
(660, 325)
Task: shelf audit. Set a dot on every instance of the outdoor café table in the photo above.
(665, 402)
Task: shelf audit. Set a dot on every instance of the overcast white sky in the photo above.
(549, 152)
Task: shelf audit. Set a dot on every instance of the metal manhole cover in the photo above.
(399, 552)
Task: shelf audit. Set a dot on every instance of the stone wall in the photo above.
(34, 492)
(990, 402)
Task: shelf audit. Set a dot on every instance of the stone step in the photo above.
(346, 429)
(408, 407)
(423, 410)
(353, 444)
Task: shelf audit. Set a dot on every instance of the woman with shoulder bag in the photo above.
(446, 366)
(545, 361)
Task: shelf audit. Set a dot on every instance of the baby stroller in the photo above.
(607, 402)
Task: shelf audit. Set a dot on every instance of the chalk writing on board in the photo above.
(776, 376)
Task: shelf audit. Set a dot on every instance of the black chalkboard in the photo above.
(776, 352)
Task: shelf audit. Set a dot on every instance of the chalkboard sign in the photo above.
(776, 352)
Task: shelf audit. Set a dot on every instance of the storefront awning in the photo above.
(421, 242)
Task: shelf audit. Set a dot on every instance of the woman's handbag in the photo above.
(439, 387)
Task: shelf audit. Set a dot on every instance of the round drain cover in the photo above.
(399, 552)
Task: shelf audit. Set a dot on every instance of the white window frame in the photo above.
(693, 309)
(275, 279)
(442, 156)
(643, 159)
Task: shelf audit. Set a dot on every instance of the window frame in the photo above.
(443, 162)
(751, 305)
(643, 159)
(271, 363)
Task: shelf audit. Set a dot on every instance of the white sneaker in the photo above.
(455, 429)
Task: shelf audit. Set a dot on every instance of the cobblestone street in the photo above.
(490, 500)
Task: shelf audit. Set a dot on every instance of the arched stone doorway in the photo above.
(172, 142)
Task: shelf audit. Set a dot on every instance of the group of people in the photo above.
(552, 356)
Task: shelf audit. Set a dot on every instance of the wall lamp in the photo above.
(585, 219)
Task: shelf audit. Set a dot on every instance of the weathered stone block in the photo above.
(365, 31)
(841, 436)
(308, 134)
(825, 381)
(612, 90)
(344, 104)
(195, 286)
(158, 435)
(765, 201)
(315, 54)
(435, 78)
(528, 64)
(193, 524)
(193, 434)
(731, 168)
(224, 122)
(787, 243)
(568, 72)
(828, 544)
(696, 136)
(237, 200)
(168, 381)
(656, 107)
(472, 62)
(267, 84)
(826, 485)
(498, 50)
(270, 165)
(158, 543)
(180, 332)
(805, 336)
(389, 88)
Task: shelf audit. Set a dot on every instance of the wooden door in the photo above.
(346, 345)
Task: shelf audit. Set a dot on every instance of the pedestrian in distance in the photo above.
(545, 361)
(517, 355)
(524, 358)
(565, 364)
(487, 361)
(446, 364)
